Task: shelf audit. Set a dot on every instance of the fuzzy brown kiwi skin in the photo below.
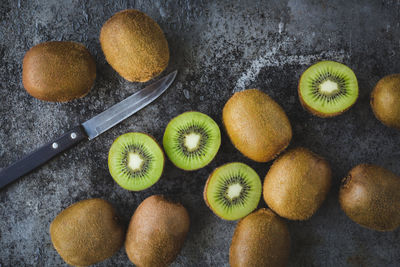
(297, 184)
(261, 161)
(316, 112)
(238, 140)
(385, 85)
(156, 232)
(87, 232)
(370, 196)
(144, 62)
(260, 239)
(46, 67)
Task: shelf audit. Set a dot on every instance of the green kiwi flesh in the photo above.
(191, 140)
(87, 232)
(135, 161)
(260, 239)
(370, 196)
(328, 88)
(232, 191)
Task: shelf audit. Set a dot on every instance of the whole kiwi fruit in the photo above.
(370, 196)
(297, 183)
(134, 45)
(58, 71)
(257, 126)
(156, 232)
(260, 239)
(87, 232)
(385, 100)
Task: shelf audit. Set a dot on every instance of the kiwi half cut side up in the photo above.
(233, 191)
(328, 88)
(191, 140)
(135, 161)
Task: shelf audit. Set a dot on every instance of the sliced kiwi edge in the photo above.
(159, 171)
(167, 146)
(205, 197)
(326, 114)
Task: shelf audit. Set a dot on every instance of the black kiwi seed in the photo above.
(221, 195)
(339, 79)
(143, 153)
(189, 128)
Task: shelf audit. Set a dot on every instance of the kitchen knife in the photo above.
(87, 130)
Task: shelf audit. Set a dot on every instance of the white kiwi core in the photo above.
(135, 161)
(234, 190)
(192, 141)
(329, 87)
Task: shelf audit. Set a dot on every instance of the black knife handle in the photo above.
(41, 155)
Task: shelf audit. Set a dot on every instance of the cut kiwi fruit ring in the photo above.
(191, 140)
(328, 88)
(233, 190)
(135, 161)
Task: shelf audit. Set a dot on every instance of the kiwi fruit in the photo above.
(257, 126)
(385, 100)
(370, 196)
(232, 191)
(58, 71)
(260, 239)
(328, 88)
(135, 161)
(87, 232)
(297, 183)
(191, 140)
(156, 232)
(134, 45)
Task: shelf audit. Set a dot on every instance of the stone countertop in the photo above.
(218, 49)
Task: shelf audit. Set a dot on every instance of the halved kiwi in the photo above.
(191, 140)
(233, 191)
(328, 88)
(135, 161)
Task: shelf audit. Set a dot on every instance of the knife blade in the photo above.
(87, 130)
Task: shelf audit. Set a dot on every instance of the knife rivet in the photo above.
(54, 145)
(73, 135)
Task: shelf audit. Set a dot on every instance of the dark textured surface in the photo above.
(218, 49)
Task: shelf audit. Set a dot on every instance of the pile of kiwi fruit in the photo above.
(91, 231)
(294, 188)
(60, 71)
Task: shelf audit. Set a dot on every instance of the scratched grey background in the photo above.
(218, 48)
